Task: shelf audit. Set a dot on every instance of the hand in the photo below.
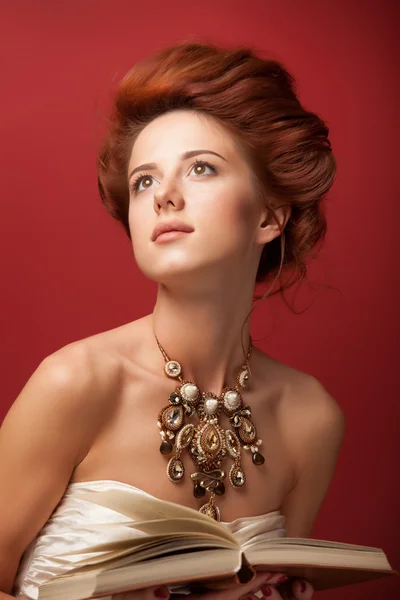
(152, 593)
(266, 582)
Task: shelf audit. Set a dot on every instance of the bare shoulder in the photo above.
(308, 415)
(46, 433)
(312, 426)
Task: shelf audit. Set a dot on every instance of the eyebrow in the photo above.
(182, 156)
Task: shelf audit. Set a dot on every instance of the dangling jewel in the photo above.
(210, 441)
(237, 476)
(185, 436)
(219, 489)
(210, 509)
(247, 431)
(258, 458)
(232, 443)
(165, 447)
(175, 469)
(198, 490)
(172, 417)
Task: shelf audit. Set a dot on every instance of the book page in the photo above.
(325, 567)
(146, 509)
(309, 542)
(184, 568)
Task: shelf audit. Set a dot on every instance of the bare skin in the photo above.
(89, 411)
(110, 434)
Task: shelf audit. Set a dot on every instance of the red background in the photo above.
(67, 270)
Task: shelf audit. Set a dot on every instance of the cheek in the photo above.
(235, 213)
(138, 222)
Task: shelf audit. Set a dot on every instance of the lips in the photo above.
(173, 225)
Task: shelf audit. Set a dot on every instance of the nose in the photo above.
(166, 195)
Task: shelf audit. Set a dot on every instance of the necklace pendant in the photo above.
(165, 447)
(172, 417)
(210, 442)
(237, 476)
(211, 510)
(175, 469)
(258, 458)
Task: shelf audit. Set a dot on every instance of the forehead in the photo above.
(180, 130)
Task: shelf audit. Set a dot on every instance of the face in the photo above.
(213, 192)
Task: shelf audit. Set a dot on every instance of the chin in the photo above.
(175, 272)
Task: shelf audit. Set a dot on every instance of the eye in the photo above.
(198, 164)
(203, 163)
(137, 181)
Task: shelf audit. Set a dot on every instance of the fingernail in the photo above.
(303, 586)
(161, 593)
(266, 591)
(282, 579)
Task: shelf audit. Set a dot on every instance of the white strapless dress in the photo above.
(72, 527)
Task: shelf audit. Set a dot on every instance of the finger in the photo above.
(271, 593)
(153, 593)
(277, 578)
(236, 593)
(302, 589)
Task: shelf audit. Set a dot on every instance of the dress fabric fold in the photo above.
(79, 529)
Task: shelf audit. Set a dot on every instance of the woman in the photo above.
(213, 145)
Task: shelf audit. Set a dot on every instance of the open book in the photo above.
(188, 550)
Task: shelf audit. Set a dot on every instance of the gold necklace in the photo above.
(207, 442)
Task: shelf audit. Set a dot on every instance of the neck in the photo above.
(204, 334)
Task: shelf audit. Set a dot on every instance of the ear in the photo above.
(270, 227)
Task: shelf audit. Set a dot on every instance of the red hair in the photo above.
(255, 99)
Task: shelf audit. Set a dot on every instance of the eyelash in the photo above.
(135, 184)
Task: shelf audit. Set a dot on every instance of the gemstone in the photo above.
(189, 392)
(247, 431)
(258, 458)
(236, 421)
(232, 443)
(185, 436)
(219, 488)
(198, 490)
(174, 398)
(210, 442)
(175, 469)
(210, 510)
(237, 476)
(173, 368)
(172, 417)
(165, 447)
(211, 406)
(232, 401)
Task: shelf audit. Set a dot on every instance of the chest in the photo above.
(127, 449)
